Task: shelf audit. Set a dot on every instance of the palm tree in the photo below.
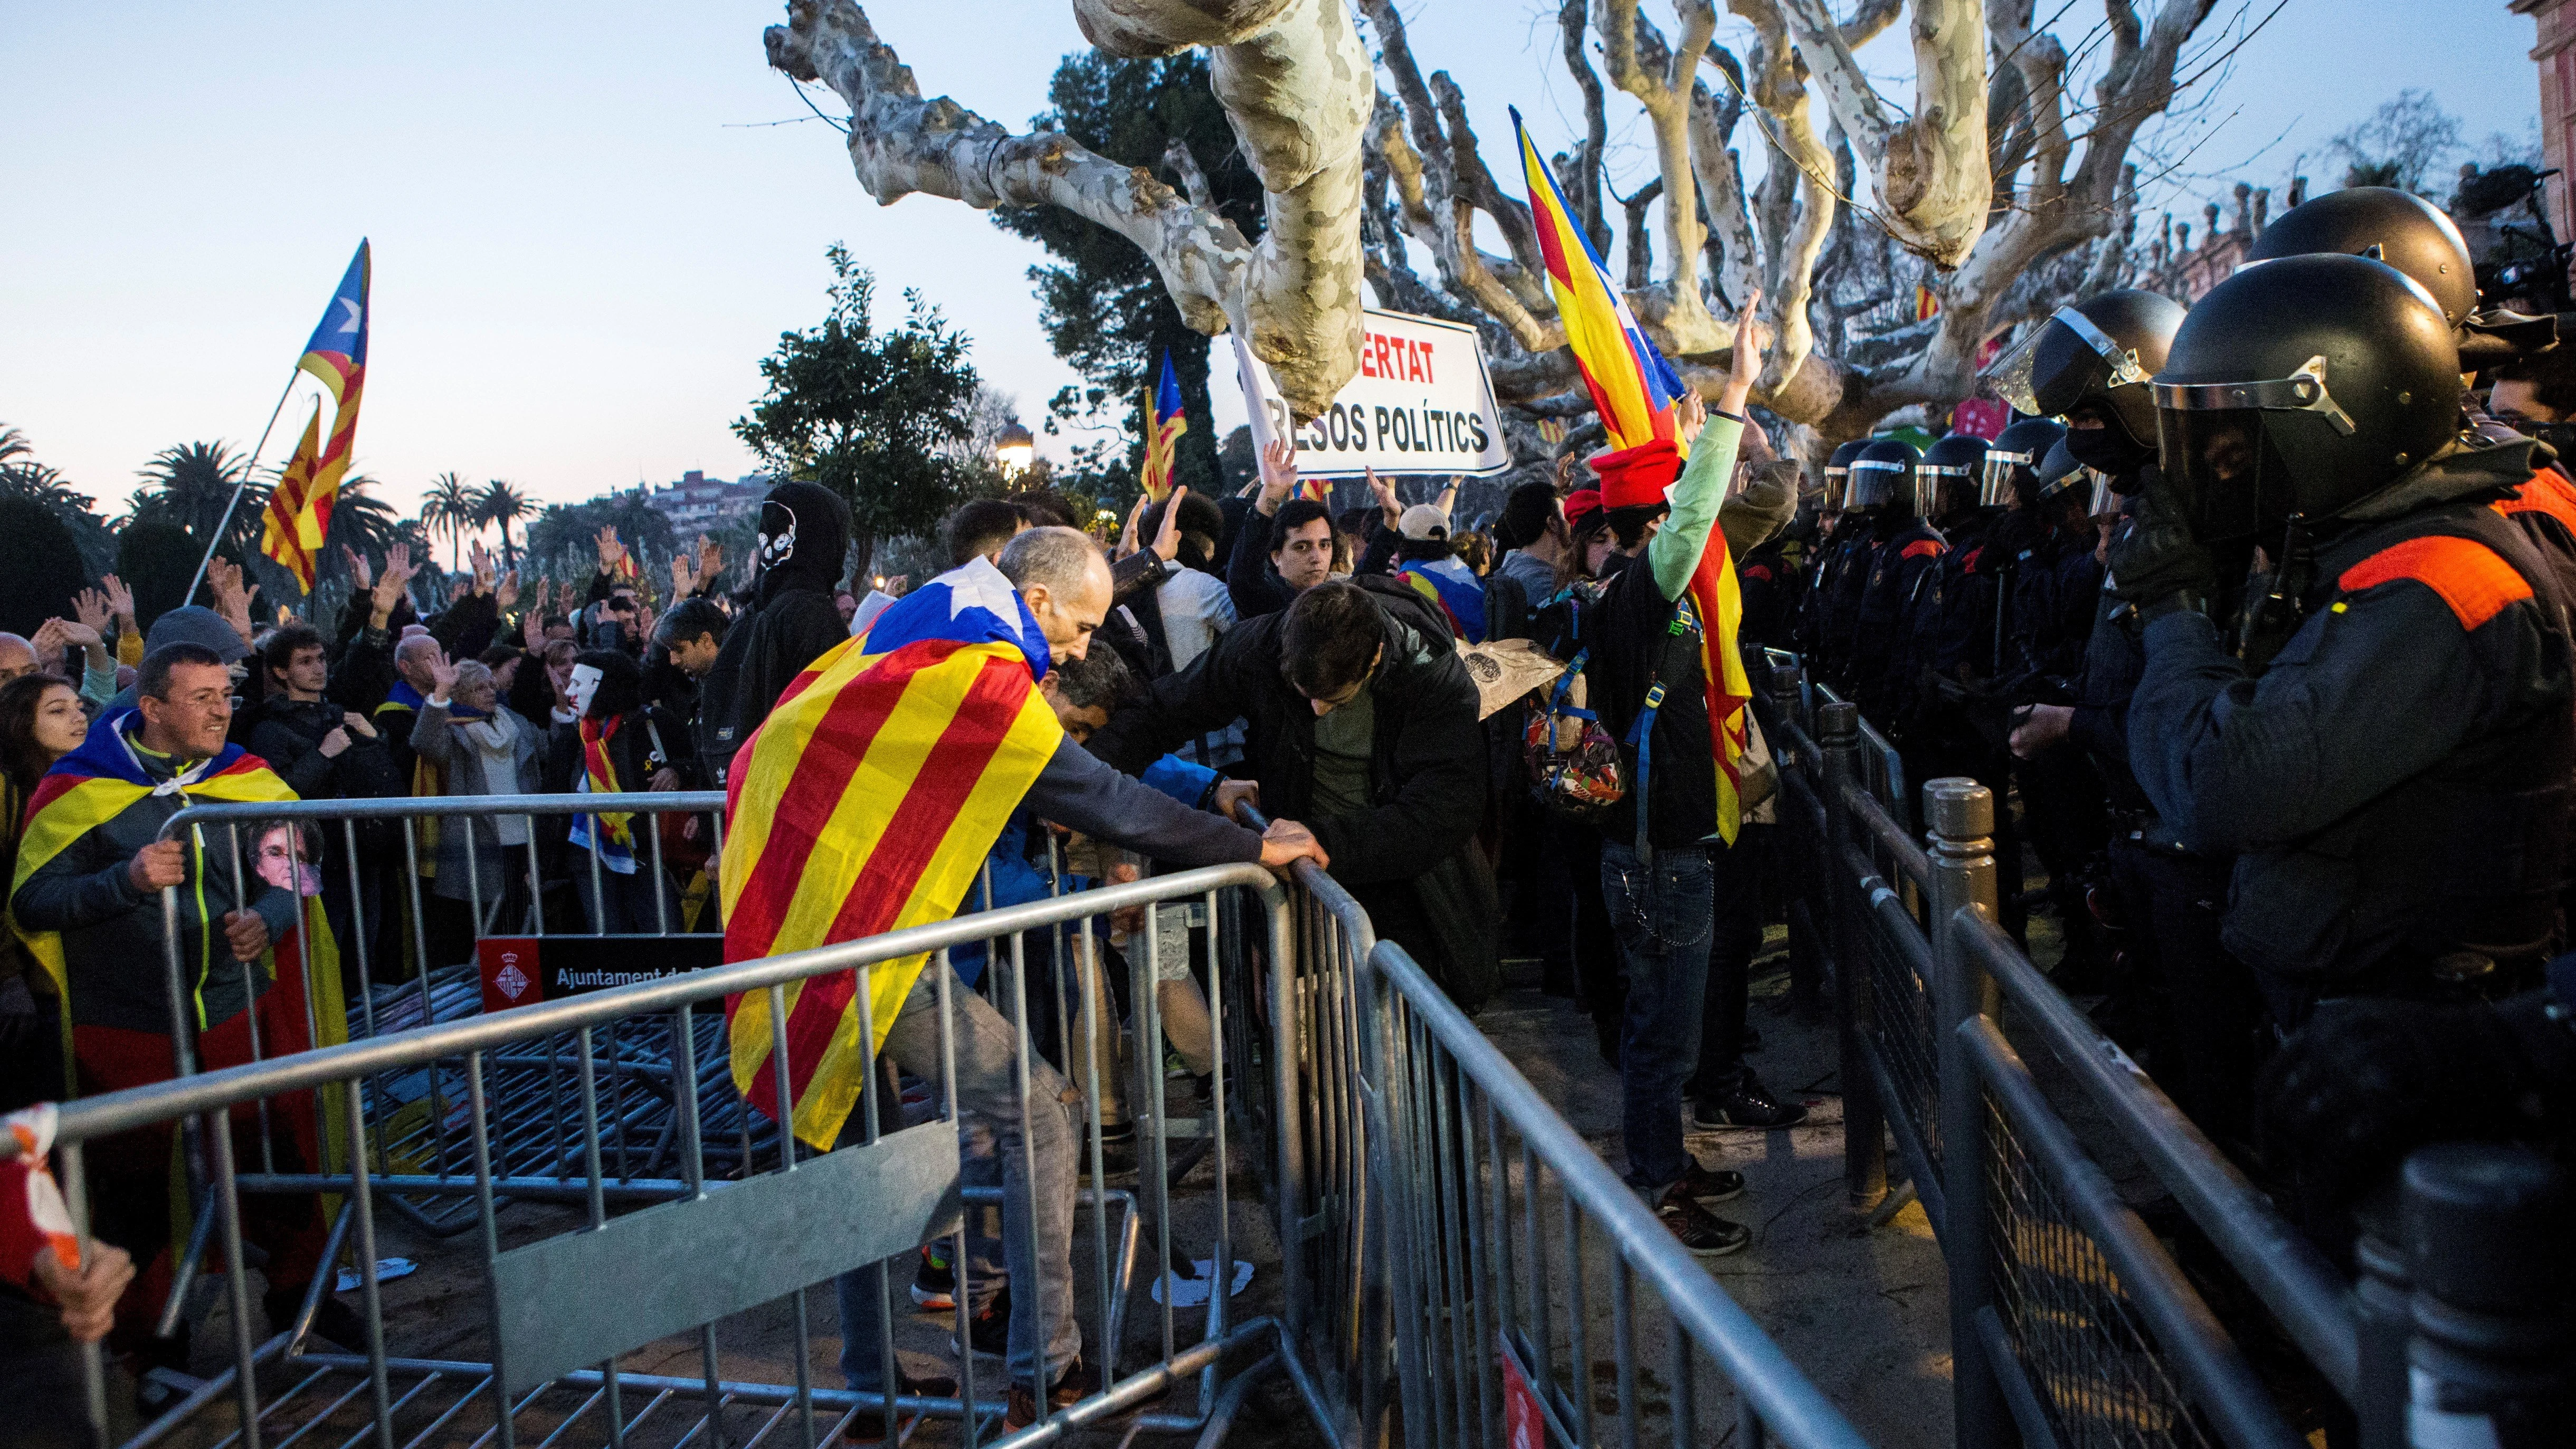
(504, 505)
(362, 521)
(14, 444)
(192, 484)
(451, 508)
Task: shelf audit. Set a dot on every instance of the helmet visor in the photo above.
(1837, 488)
(2106, 499)
(1995, 480)
(2225, 470)
(1872, 482)
(1929, 479)
(2050, 370)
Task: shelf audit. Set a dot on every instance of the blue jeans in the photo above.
(1661, 915)
(1037, 1213)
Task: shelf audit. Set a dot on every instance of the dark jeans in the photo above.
(1736, 939)
(1661, 913)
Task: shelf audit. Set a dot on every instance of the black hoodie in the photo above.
(804, 539)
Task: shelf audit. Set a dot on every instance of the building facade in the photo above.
(699, 504)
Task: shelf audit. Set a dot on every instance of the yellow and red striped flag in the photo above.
(298, 518)
(1165, 421)
(1634, 389)
(866, 803)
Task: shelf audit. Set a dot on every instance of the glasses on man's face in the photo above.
(621, 606)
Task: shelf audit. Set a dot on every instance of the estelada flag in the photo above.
(298, 517)
(866, 803)
(1634, 389)
(1454, 590)
(92, 785)
(1165, 421)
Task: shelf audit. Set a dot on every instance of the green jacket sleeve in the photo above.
(1674, 550)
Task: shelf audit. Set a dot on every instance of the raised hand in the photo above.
(1752, 339)
(77, 633)
(391, 583)
(232, 600)
(1387, 502)
(359, 569)
(684, 574)
(1278, 475)
(610, 550)
(1167, 539)
(120, 599)
(710, 561)
(506, 591)
(442, 676)
(480, 560)
(1135, 519)
(90, 607)
(47, 643)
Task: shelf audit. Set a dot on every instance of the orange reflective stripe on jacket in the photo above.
(2473, 579)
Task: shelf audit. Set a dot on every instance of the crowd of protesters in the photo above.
(1262, 649)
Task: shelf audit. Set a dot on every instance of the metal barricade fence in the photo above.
(2071, 1323)
(561, 1309)
(1443, 1254)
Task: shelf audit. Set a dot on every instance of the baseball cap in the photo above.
(1423, 520)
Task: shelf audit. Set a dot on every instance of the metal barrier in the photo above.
(558, 1313)
(2071, 1323)
(1443, 1253)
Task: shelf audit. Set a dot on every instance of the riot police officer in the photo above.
(2395, 780)
(1846, 565)
(1907, 545)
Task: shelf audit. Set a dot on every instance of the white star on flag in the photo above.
(351, 325)
(979, 585)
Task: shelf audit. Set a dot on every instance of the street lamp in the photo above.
(1015, 450)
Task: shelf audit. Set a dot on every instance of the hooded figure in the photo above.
(804, 538)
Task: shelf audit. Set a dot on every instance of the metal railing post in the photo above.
(1961, 813)
(1864, 1129)
(2486, 1238)
(2380, 1311)
(1806, 970)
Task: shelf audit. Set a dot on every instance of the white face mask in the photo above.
(585, 683)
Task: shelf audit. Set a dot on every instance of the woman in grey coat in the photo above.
(481, 747)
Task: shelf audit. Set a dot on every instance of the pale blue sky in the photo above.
(583, 248)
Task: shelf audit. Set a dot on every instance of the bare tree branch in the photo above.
(1930, 169)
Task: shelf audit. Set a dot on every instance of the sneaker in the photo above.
(868, 1427)
(1074, 1385)
(1707, 1185)
(1703, 1232)
(1749, 1105)
(990, 1329)
(934, 1288)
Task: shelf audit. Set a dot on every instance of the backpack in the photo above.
(1574, 767)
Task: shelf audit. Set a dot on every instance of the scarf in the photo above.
(612, 831)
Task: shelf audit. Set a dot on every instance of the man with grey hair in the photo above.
(1065, 581)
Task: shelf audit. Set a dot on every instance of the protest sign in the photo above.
(1421, 403)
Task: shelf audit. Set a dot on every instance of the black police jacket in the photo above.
(2396, 781)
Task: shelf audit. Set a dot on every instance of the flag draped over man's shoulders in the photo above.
(1454, 590)
(298, 518)
(866, 803)
(101, 780)
(1165, 421)
(1635, 389)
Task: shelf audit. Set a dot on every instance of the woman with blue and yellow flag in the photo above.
(86, 901)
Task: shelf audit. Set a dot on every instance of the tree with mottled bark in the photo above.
(1992, 181)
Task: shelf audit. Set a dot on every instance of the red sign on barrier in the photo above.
(1524, 1427)
(524, 970)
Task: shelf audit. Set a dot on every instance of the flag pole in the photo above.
(234, 502)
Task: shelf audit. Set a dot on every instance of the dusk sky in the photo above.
(585, 238)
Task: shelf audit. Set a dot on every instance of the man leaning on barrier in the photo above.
(92, 867)
(866, 803)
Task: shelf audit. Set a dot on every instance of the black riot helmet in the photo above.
(1881, 473)
(1838, 474)
(2012, 462)
(2300, 387)
(2387, 225)
(2094, 356)
(1949, 475)
(2419, 239)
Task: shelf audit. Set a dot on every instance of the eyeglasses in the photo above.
(621, 606)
